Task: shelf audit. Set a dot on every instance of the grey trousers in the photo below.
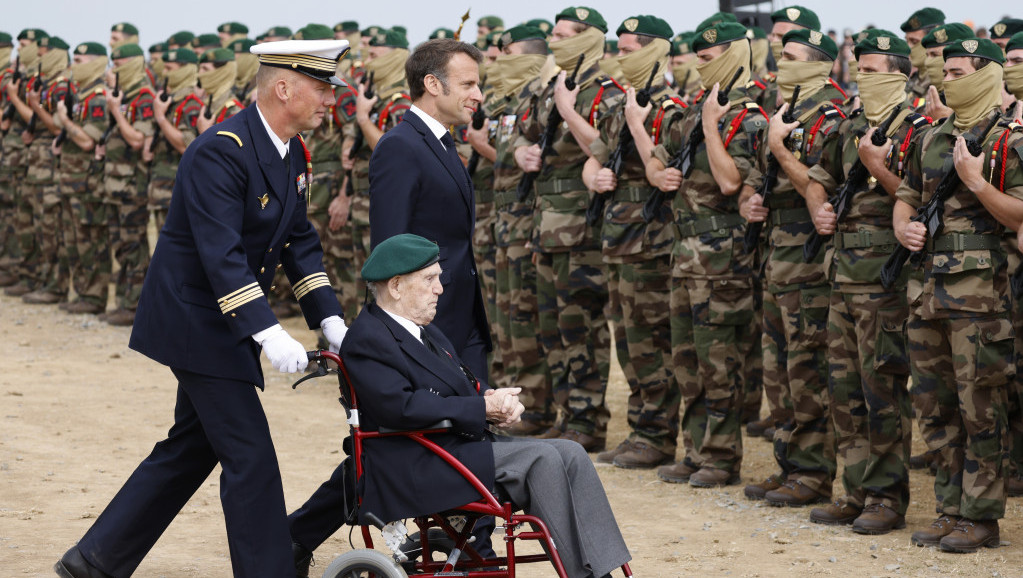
(555, 480)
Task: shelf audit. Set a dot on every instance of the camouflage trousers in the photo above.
(870, 409)
(638, 292)
(571, 291)
(710, 320)
(961, 368)
(89, 261)
(39, 232)
(795, 362)
(485, 252)
(358, 222)
(337, 260)
(129, 223)
(27, 268)
(1014, 393)
(753, 354)
(10, 247)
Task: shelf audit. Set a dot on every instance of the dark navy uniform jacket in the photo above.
(237, 214)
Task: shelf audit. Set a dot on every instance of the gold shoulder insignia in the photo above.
(752, 105)
(232, 135)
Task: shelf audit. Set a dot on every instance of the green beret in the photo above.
(682, 43)
(91, 48)
(314, 32)
(583, 15)
(610, 46)
(33, 34)
(181, 38)
(217, 55)
(282, 31)
(947, 34)
(494, 38)
(186, 55)
(1006, 27)
(720, 33)
(1015, 42)
(158, 47)
(442, 33)
(881, 42)
(393, 38)
(398, 255)
(490, 22)
(6, 39)
(233, 28)
(242, 45)
(542, 24)
(401, 29)
(757, 32)
(645, 25)
(347, 26)
(125, 27)
(519, 33)
(126, 51)
(923, 18)
(54, 42)
(206, 41)
(372, 30)
(797, 15)
(813, 39)
(974, 48)
(716, 18)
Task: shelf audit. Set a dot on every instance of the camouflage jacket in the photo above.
(325, 144)
(918, 84)
(89, 112)
(123, 164)
(183, 113)
(514, 218)
(765, 93)
(38, 156)
(13, 160)
(969, 278)
(386, 114)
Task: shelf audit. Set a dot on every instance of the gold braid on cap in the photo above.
(296, 60)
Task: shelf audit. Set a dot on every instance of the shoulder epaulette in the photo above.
(831, 111)
(918, 119)
(232, 135)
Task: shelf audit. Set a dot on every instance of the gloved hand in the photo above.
(334, 329)
(284, 353)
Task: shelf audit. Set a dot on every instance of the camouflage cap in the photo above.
(33, 34)
(1015, 42)
(442, 33)
(347, 26)
(881, 42)
(393, 38)
(399, 255)
(645, 25)
(610, 46)
(233, 28)
(813, 39)
(206, 41)
(720, 33)
(185, 55)
(158, 47)
(544, 25)
(490, 22)
(181, 38)
(217, 56)
(314, 32)
(6, 39)
(797, 15)
(282, 31)
(55, 43)
(923, 18)
(583, 15)
(519, 33)
(947, 34)
(1006, 27)
(372, 30)
(125, 27)
(716, 18)
(242, 45)
(974, 48)
(682, 43)
(91, 48)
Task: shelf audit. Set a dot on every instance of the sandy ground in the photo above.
(79, 410)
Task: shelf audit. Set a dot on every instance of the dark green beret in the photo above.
(314, 32)
(233, 28)
(91, 48)
(442, 33)
(494, 38)
(393, 38)
(126, 51)
(1015, 42)
(947, 34)
(398, 255)
(206, 41)
(490, 22)
(242, 45)
(542, 24)
(881, 42)
(1006, 27)
(865, 34)
(974, 48)
(33, 34)
(158, 47)
(720, 33)
(682, 43)
(372, 30)
(813, 39)
(54, 42)
(645, 25)
(217, 55)
(519, 33)
(125, 27)
(610, 46)
(185, 55)
(584, 15)
(797, 15)
(282, 31)
(6, 39)
(181, 38)
(347, 26)
(716, 18)
(757, 32)
(923, 18)
(401, 29)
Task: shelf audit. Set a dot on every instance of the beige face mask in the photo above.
(130, 73)
(5, 56)
(777, 46)
(973, 96)
(917, 56)
(516, 70)
(29, 56)
(880, 93)
(637, 66)
(88, 72)
(53, 63)
(219, 80)
(183, 77)
(157, 65)
(760, 48)
(722, 68)
(248, 64)
(934, 66)
(1014, 80)
(686, 73)
(809, 76)
(589, 42)
(854, 71)
(388, 69)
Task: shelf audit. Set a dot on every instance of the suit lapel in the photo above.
(446, 371)
(449, 161)
(274, 172)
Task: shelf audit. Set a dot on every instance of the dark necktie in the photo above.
(287, 160)
(453, 158)
(429, 343)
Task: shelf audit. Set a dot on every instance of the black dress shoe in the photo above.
(74, 565)
(303, 558)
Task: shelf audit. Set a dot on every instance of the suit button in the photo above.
(273, 287)
(279, 265)
(271, 250)
(286, 245)
(262, 270)
(234, 315)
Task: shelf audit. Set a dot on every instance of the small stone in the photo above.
(891, 567)
(832, 559)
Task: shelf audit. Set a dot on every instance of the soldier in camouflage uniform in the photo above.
(8, 241)
(960, 330)
(204, 42)
(796, 293)
(868, 365)
(686, 81)
(124, 186)
(915, 28)
(248, 64)
(934, 42)
(571, 280)
(123, 33)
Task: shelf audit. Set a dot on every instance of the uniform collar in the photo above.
(281, 146)
(431, 123)
(408, 324)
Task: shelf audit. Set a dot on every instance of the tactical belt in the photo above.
(558, 186)
(485, 195)
(964, 242)
(504, 198)
(633, 194)
(862, 239)
(700, 225)
(786, 216)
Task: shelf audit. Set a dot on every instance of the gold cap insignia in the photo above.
(582, 13)
(545, 27)
(31, 35)
(884, 43)
(173, 56)
(999, 29)
(684, 47)
(119, 28)
(506, 38)
(970, 45)
(792, 13)
(710, 35)
(941, 35)
(631, 24)
(442, 34)
(263, 200)
(82, 49)
(816, 37)
(914, 23)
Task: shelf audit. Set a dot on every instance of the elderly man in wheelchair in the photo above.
(407, 378)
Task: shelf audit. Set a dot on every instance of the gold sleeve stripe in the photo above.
(309, 279)
(314, 281)
(228, 306)
(234, 294)
(306, 289)
(295, 60)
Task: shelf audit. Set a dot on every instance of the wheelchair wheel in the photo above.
(440, 544)
(364, 564)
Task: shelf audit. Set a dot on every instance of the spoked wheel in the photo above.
(440, 546)
(364, 564)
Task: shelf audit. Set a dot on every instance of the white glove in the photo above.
(334, 329)
(284, 353)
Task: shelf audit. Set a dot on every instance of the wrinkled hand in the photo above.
(503, 406)
(753, 209)
(284, 353)
(334, 329)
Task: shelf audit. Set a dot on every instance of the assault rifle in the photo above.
(547, 140)
(30, 130)
(16, 77)
(164, 97)
(479, 118)
(112, 122)
(854, 181)
(752, 234)
(209, 108)
(358, 139)
(69, 104)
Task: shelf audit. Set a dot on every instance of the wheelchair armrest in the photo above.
(443, 424)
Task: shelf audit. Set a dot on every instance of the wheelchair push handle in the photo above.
(320, 358)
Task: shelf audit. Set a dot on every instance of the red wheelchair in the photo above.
(447, 534)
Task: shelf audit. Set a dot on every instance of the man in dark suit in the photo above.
(419, 185)
(238, 214)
